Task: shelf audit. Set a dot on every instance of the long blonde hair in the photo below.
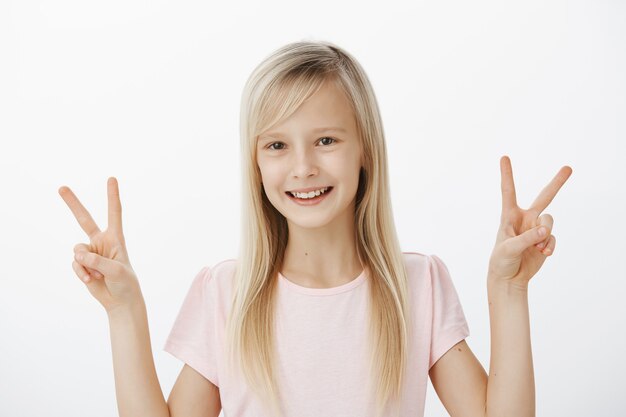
(274, 90)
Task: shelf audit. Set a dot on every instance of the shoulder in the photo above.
(218, 278)
(422, 268)
(209, 277)
(414, 258)
(224, 268)
(417, 263)
(218, 271)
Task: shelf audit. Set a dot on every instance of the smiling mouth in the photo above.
(328, 190)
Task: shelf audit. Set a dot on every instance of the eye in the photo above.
(271, 145)
(326, 137)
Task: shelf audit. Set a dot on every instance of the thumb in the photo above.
(105, 266)
(518, 244)
(83, 247)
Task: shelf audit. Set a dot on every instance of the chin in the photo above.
(308, 223)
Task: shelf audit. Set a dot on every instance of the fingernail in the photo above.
(542, 231)
(79, 256)
(86, 278)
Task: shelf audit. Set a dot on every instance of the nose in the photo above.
(304, 164)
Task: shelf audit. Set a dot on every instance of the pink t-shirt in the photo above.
(321, 340)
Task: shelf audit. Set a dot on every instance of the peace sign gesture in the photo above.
(103, 264)
(520, 249)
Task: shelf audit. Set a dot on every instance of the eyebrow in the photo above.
(316, 130)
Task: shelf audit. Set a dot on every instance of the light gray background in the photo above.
(149, 92)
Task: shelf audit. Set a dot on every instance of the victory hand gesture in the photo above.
(103, 264)
(520, 248)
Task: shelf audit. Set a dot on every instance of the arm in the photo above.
(511, 383)
(462, 383)
(523, 243)
(136, 383)
(105, 268)
(194, 396)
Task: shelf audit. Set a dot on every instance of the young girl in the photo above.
(322, 314)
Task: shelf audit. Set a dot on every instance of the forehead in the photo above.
(328, 129)
(327, 110)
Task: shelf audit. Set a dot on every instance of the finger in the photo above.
(82, 215)
(518, 244)
(81, 247)
(549, 250)
(95, 286)
(115, 206)
(107, 267)
(546, 195)
(545, 220)
(509, 200)
(81, 272)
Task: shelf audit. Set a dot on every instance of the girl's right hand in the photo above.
(104, 267)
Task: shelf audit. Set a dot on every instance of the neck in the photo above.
(322, 257)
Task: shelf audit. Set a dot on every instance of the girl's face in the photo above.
(297, 154)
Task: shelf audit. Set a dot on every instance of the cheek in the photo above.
(348, 166)
(272, 177)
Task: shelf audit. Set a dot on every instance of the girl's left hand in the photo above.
(520, 250)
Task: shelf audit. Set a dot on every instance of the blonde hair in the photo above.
(274, 90)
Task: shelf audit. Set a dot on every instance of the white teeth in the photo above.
(310, 194)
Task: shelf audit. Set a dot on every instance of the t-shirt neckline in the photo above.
(323, 291)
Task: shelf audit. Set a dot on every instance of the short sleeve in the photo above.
(192, 338)
(449, 325)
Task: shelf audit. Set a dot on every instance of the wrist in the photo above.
(502, 286)
(127, 311)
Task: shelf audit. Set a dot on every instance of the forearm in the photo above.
(511, 383)
(137, 385)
